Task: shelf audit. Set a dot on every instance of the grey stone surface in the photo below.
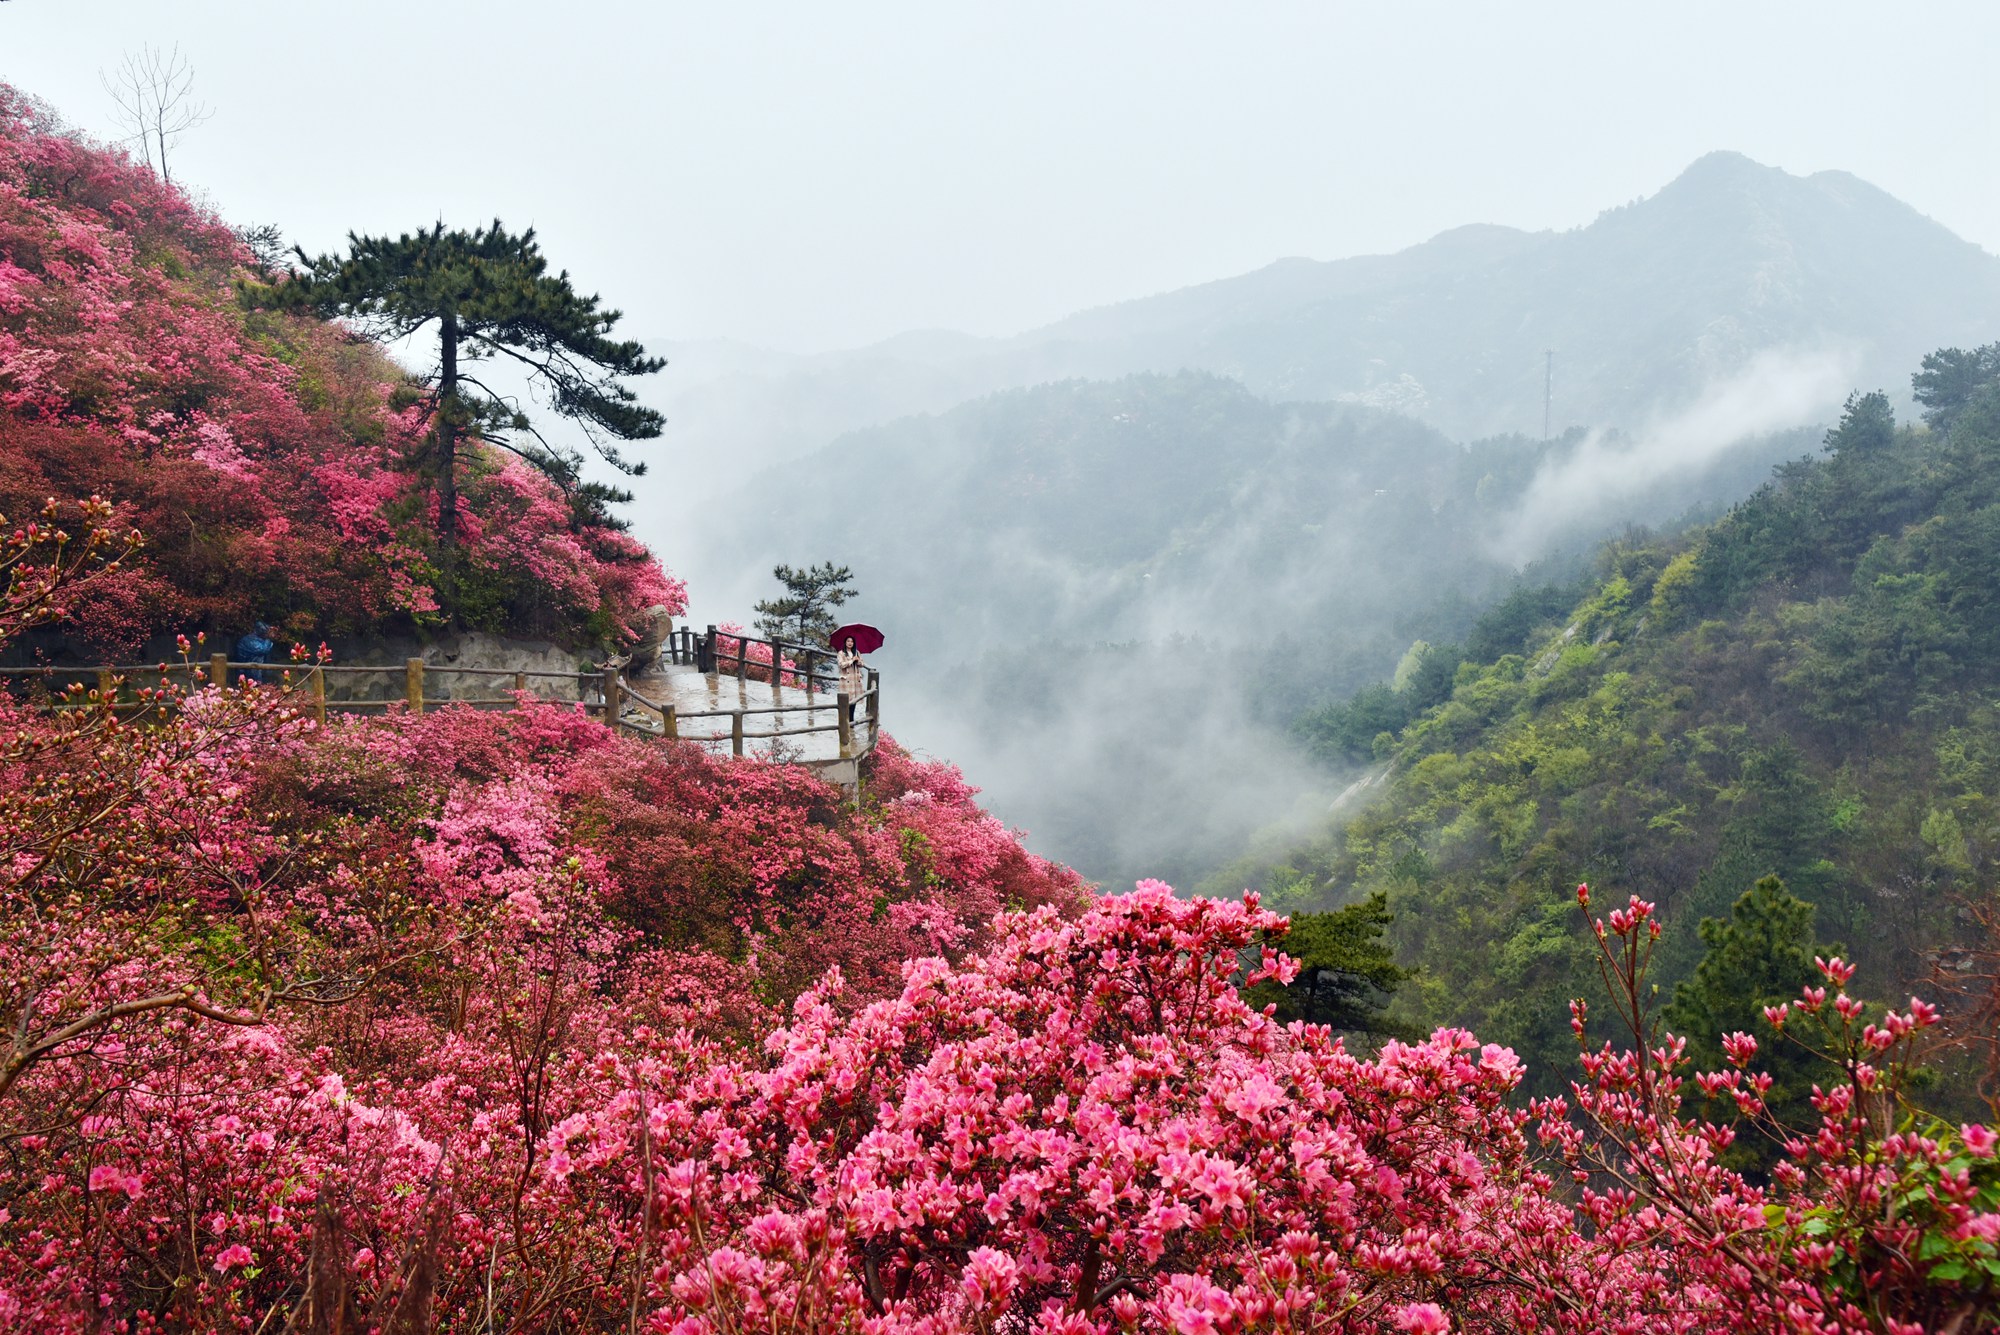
(469, 665)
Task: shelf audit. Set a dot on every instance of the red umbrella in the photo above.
(867, 639)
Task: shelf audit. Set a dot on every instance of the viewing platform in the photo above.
(716, 688)
(721, 690)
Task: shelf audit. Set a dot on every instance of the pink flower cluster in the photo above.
(1082, 1128)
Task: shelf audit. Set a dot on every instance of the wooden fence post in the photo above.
(413, 684)
(614, 696)
(705, 656)
(846, 725)
(319, 695)
(736, 733)
(107, 690)
(742, 657)
(669, 723)
(218, 669)
(520, 685)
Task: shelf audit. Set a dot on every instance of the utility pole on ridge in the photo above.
(1548, 391)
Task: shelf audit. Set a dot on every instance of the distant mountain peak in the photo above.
(1471, 238)
(1726, 163)
(1726, 172)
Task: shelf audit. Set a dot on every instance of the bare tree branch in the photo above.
(153, 91)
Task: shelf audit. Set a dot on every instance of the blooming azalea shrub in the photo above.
(265, 455)
(1877, 1219)
(1086, 1129)
(47, 568)
(500, 1021)
(279, 991)
(947, 839)
(1083, 1128)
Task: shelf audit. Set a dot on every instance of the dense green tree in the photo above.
(489, 295)
(1425, 676)
(1760, 955)
(1781, 822)
(1951, 378)
(1891, 649)
(1775, 534)
(1347, 973)
(805, 613)
(1506, 627)
(1867, 423)
(1869, 487)
(1345, 733)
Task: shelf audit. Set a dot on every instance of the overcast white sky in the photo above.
(811, 176)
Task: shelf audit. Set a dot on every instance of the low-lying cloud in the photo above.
(1780, 389)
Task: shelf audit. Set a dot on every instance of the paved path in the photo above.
(704, 703)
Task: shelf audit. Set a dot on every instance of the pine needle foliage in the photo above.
(489, 296)
(805, 613)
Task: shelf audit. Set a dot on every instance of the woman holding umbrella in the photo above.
(850, 642)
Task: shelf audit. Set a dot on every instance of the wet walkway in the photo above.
(743, 716)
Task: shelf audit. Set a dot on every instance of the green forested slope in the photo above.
(1809, 687)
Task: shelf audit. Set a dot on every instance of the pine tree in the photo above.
(1760, 955)
(1867, 426)
(805, 613)
(489, 294)
(1347, 972)
(1951, 379)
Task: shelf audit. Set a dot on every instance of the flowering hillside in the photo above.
(477, 1022)
(265, 455)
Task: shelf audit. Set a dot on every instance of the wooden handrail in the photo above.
(347, 669)
(757, 709)
(606, 692)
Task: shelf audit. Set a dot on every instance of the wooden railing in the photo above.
(607, 693)
(406, 683)
(805, 668)
(727, 653)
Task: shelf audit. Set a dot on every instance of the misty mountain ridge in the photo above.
(1108, 586)
(1644, 307)
(1107, 597)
